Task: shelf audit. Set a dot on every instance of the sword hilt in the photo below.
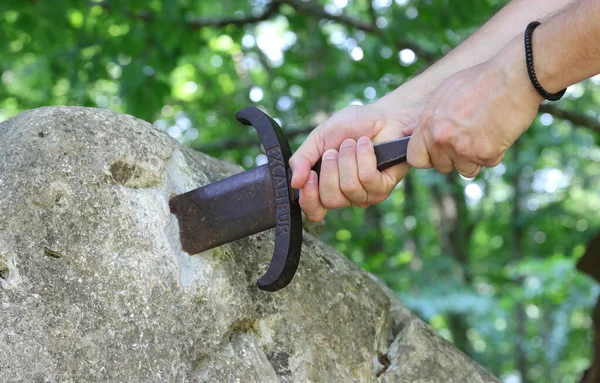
(388, 154)
(257, 200)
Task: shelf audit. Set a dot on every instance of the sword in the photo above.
(257, 200)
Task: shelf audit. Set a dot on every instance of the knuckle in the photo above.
(427, 113)
(350, 186)
(375, 192)
(367, 176)
(378, 122)
(487, 153)
(377, 198)
(418, 161)
(332, 202)
(444, 168)
(441, 133)
(493, 163)
(319, 136)
(463, 148)
(307, 201)
(316, 217)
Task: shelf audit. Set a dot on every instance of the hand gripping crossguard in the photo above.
(258, 200)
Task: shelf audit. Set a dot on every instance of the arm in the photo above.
(348, 172)
(497, 102)
(482, 45)
(567, 47)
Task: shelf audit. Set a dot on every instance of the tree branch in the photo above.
(576, 118)
(269, 12)
(237, 143)
(372, 13)
(318, 11)
(197, 23)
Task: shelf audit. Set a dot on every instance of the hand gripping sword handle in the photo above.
(388, 154)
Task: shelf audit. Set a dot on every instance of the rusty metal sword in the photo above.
(258, 200)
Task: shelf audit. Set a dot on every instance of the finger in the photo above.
(370, 178)
(309, 199)
(494, 163)
(441, 161)
(391, 177)
(348, 169)
(438, 155)
(474, 172)
(304, 159)
(417, 154)
(301, 167)
(329, 182)
(378, 185)
(438, 140)
(465, 167)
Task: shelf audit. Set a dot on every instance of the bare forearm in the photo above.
(485, 43)
(566, 48)
(482, 45)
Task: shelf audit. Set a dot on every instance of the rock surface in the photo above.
(94, 286)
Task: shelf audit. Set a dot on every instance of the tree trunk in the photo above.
(455, 235)
(589, 264)
(516, 233)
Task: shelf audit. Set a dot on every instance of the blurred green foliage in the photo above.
(488, 262)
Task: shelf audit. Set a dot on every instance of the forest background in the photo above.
(488, 262)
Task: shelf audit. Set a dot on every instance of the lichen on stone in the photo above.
(52, 253)
(4, 272)
(133, 175)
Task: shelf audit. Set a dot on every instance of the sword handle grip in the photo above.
(388, 154)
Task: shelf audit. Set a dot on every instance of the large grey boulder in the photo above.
(94, 285)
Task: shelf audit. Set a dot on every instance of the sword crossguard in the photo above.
(288, 226)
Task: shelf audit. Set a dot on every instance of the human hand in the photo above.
(474, 116)
(344, 142)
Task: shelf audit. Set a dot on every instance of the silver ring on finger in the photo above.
(471, 174)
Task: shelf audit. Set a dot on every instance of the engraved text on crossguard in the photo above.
(281, 191)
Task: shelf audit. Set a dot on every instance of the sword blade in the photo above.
(226, 210)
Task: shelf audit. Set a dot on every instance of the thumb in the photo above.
(417, 155)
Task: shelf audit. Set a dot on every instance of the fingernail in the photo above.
(363, 141)
(348, 142)
(331, 154)
(312, 178)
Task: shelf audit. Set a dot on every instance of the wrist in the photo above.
(533, 77)
(511, 64)
(546, 66)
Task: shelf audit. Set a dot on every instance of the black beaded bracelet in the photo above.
(531, 71)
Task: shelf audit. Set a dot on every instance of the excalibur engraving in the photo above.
(257, 200)
(282, 197)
